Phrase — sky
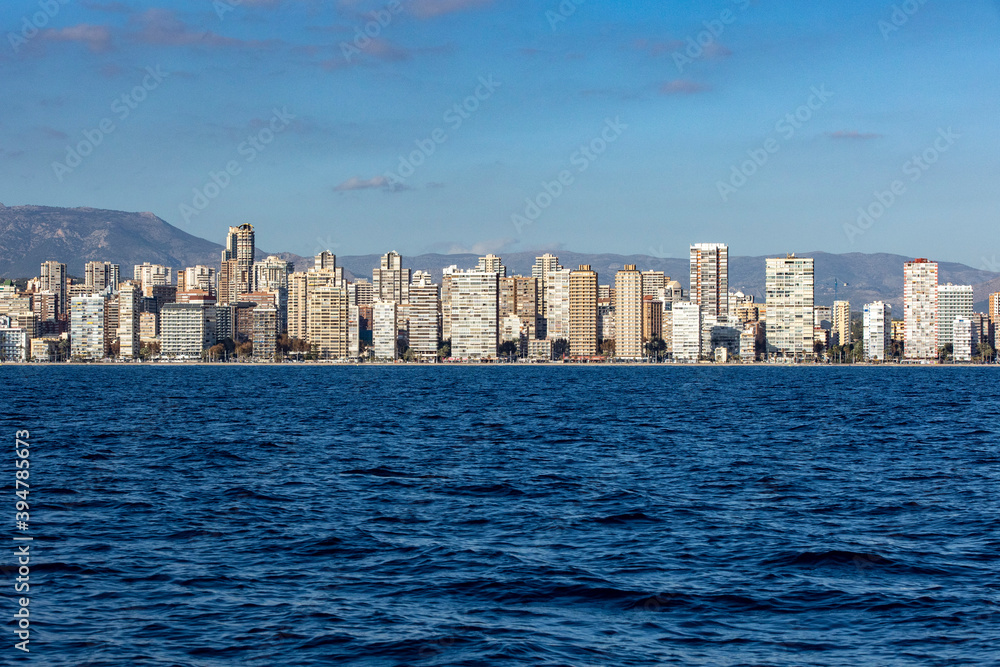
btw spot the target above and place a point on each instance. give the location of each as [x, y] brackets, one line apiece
[501, 125]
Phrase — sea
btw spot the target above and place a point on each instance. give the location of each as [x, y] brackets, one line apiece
[506, 515]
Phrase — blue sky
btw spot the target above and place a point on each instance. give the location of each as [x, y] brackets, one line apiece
[666, 122]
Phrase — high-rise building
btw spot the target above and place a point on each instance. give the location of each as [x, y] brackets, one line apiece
[87, 327]
[557, 304]
[686, 331]
[841, 320]
[14, 341]
[147, 275]
[652, 318]
[265, 333]
[920, 310]
[328, 315]
[425, 317]
[385, 330]
[360, 292]
[298, 305]
[53, 278]
[961, 339]
[605, 319]
[475, 313]
[129, 310]
[446, 275]
[628, 313]
[953, 301]
[583, 332]
[271, 273]
[540, 270]
[98, 276]
[710, 278]
[519, 296]
[237, 274]
[390, 281]
[790, 289]
[994, 308]
[877, 330]
[198, 277]
[983, 331]
[186, 329]
[653, 281]
[492, 264]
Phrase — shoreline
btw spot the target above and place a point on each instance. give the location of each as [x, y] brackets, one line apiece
[331, 364]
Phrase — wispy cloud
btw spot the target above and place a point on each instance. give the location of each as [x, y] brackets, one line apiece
[109, 7]
[657, 48]
[853, 134]
[96, 37]
[161, 27]
[377, 183]
[682, 87]
[432, 8]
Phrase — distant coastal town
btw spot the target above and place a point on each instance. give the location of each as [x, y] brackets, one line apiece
[266, 312]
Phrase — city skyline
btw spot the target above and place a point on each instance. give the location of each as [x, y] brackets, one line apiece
[893, 141]
[264, 310]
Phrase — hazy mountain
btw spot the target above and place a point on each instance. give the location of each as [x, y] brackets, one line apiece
[32, 234]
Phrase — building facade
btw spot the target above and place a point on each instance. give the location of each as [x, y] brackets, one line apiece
[583, 333]
[920, 310]
[877, 329]
[710, 278]
[790, 288]
[628, 313]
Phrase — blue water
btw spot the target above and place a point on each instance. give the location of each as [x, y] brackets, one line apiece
[510, 516]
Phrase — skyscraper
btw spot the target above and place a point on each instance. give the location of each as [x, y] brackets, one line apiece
[99, 275]
[994, 308]
[87, 327]
[628, 313]
[877, 330]
[129, 307]
[425, 317]
[953, 301]
[920, 310]
[583, 332]
[474, 314]
[539, 271]
[492, 264]
[53, 279]
[391, 282]
[841, 315]
[557, 304]
[686, 331]
[327, 320]
[790, 289]
[710, 278]
[237, 276]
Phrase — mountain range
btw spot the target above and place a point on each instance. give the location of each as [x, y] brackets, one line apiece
[30, 235]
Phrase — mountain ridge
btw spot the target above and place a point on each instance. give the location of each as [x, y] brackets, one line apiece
[32, 234]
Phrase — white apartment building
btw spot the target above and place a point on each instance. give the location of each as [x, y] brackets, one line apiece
[186, 329]
[475, 311]
[557, 301]
[961, 330]
[686, 331]
[877, 330]
[920, 310]
[86, 330]
[953, 301]
[790, 289]
[385, 330]
[425, 317]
